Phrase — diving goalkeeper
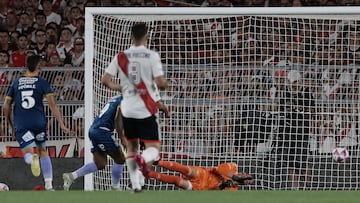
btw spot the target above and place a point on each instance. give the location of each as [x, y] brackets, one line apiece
[222, 177]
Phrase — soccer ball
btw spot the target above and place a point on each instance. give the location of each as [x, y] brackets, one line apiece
[340, 154]
[3, 187]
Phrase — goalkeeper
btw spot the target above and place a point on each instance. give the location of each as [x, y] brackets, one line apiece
[222, 177]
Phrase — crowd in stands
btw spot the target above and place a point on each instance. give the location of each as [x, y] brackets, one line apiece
[52, 29]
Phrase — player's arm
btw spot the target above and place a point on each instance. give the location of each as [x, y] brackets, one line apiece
[162, 107]
[119, 126]
[158, 73]
[243, 179]
[111, 71]
[55, 111]
[106, 80]
[229, 170]
[161, 82]
[7, 112]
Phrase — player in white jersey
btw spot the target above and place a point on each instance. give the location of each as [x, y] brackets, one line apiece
[140, 72]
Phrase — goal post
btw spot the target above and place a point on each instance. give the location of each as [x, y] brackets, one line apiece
[271, 89]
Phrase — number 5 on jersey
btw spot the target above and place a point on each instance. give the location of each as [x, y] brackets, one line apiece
[27, 101]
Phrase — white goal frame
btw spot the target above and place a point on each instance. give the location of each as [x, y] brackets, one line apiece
[140, 13]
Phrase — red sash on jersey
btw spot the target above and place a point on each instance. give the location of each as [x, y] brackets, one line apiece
[144, 95]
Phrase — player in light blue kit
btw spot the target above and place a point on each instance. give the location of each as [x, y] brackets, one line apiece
[29, 124]
[104, 143]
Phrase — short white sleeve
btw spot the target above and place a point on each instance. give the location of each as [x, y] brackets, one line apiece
[157, 66]
[113, 67]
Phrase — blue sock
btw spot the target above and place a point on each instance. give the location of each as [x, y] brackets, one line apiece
[117, 170]
[46, 167]
[86, 169]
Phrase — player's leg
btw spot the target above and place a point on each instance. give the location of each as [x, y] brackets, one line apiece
[46, 167]
[132, 136]
[132, 166]
[148, 156]
[176, 180]
[98, 164]
[32, 159]
[45, 161]
[26, 140]
[99, 156]
[117, 167]
[150, 135]
[187, 171]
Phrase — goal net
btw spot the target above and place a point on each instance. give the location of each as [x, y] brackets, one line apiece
[274, 90]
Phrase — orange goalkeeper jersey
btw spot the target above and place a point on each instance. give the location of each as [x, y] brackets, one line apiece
[212, 178]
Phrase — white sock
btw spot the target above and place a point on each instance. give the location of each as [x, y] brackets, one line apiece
[132, 168]
[116, 186]
[141, 178]
[75, 175]
[150, 154]
[48, 184]
[28, 158]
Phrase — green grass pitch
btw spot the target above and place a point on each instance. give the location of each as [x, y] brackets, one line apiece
[181, 197]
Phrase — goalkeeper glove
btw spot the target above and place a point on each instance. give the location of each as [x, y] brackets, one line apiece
[226, 184]
[242, 179]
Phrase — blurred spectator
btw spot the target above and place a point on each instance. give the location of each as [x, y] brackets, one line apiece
[64, 23]
[32, 13]
[40, 24]
[65, 45]
[51, 34]
[11, 21]
[14, 36]
[50, 48]
[296, 106]
[50, 15]
[18, 57]
[58, 86]
[3, 11]
[75, 13]
[25, 23]
[5, 76]
[54, 60]
[34, 3]
[4, 59]
[4, 39]
[80, 27]
[72, 86]
[76, 56]
[16, 6]
[40, 20]
[39, 46]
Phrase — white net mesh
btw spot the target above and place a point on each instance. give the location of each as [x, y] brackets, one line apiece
[275, 94]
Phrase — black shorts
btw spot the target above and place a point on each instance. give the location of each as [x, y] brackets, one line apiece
[146, 129]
